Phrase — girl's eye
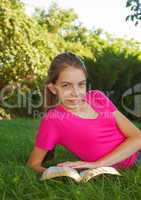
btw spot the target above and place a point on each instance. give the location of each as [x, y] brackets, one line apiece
[82, 84]
[64, 85]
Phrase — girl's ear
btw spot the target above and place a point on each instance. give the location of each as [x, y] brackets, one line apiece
[52, 88]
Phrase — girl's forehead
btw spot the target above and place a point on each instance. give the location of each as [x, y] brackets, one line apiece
[67, 75]
[84, 80]
[71, 76]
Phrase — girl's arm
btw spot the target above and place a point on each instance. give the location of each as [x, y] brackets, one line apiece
[131, 144]
[36, 158]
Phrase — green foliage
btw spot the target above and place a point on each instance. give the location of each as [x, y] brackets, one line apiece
[56, 19]
[4, 114]
[20, 53]
[135, 8]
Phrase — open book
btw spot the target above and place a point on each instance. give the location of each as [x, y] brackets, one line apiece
[83, 176]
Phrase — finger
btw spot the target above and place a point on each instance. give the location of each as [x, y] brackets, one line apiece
[60, 164]
[63, 164]
[80, 166]
[77, 167]
[72, 164]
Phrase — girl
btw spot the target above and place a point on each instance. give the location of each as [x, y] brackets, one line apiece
[86, 122]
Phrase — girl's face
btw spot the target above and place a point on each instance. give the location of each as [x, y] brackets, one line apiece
[70, 87]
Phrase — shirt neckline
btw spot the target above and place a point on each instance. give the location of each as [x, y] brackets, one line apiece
[62, 107]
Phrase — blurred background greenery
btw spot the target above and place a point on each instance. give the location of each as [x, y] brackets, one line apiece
[28, 44]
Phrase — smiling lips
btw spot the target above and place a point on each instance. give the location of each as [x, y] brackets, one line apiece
[75, 100]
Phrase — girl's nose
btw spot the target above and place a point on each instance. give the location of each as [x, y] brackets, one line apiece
[75, 92]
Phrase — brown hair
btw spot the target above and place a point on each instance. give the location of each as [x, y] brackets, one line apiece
[59, 63]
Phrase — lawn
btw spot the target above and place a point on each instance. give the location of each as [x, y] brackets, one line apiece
[18, 182]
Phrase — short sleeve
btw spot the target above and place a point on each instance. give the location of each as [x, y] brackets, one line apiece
[102, 102]
[47, 134]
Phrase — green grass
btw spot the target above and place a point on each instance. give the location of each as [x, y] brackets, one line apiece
[18, 182]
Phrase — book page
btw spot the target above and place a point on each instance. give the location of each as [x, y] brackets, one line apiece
[54, 171]
[88, 174]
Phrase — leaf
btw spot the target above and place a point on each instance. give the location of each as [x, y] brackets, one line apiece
[127, 18]
[136, 23]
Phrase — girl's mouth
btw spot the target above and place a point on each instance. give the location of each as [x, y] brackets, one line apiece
[75, 101]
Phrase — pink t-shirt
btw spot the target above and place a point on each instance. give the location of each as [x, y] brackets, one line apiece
[89, 139]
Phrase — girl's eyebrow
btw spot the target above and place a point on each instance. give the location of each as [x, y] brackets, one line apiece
[71, 83]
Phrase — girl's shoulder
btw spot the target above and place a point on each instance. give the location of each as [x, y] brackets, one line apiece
[100, 100]
[96, 95]
[54, 114]
[95, 92]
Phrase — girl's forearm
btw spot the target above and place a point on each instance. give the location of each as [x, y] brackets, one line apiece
[122, 152]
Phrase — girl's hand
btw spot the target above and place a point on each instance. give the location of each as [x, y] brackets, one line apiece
[77, 164]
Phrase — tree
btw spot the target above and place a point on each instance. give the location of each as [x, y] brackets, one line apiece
[56, 18]
[135, 8]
